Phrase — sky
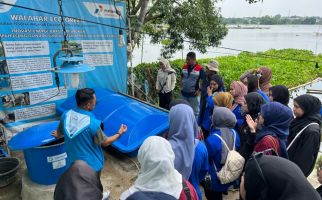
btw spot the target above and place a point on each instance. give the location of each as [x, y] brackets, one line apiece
[240, 8]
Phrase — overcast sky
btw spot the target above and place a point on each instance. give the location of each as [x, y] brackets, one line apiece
[240, 8]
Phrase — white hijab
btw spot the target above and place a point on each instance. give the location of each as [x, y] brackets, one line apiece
[167, 65]
[157, 173]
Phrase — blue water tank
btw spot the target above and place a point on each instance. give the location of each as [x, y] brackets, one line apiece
[114, 109]
[45, 157]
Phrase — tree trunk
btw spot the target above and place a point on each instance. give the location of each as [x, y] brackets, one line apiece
[135, 32]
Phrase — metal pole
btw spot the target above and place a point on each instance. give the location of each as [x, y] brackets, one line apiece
[131, 64]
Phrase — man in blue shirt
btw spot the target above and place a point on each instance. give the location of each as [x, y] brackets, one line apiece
[83, 133]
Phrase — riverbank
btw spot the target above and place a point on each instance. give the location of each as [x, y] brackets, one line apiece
[265, 38]
[291, 67]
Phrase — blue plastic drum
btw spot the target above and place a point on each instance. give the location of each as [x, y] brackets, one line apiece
[45, 157]
[47, 163]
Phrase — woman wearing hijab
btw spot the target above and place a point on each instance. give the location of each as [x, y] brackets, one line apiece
[304, 138]
[183, 130]
[275, 178]
[166, 82]
[280, 94]
[252, 107]
[265, 78]
[79, 182]
[275, 119]
[215, 85]
[238, 90]
[223, 121]
[254, 87]
[157, 174]
[224, 99]
[221, 99]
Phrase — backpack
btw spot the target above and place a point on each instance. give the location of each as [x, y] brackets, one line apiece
[234, 164]
[188, 191]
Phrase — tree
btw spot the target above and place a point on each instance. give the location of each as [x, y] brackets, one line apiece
[174, 21]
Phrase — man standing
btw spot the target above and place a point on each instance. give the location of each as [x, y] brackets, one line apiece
[191, 75]
[83, 133]
[212, 68]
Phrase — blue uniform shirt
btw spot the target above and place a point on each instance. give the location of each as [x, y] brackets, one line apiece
[199, 166]
[80, 128]
[240, 118]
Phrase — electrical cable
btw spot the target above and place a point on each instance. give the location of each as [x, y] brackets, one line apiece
[141, 32]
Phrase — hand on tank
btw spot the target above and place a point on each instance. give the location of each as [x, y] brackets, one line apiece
[55, 134]
[123, 129]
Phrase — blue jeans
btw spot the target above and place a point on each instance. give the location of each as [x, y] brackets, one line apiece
[194, 102]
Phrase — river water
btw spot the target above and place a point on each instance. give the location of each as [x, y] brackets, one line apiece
[268, 37]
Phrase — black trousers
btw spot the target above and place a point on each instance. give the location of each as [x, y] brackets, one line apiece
[165, 99]
[212, 195]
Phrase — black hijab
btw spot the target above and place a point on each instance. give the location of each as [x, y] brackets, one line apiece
[219, 81]
[280, 94]
[272, 177]
[311, 106]
[254, 102]
[79, 182]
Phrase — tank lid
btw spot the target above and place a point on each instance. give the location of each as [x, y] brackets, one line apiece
[34, 136]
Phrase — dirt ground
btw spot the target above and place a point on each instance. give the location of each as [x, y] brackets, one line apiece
[118, 174]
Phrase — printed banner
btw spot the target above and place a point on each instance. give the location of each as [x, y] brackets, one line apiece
[29, 39]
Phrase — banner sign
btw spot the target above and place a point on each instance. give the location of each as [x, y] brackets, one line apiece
[30, 38]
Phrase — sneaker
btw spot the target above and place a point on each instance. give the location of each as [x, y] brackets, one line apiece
[106, 195]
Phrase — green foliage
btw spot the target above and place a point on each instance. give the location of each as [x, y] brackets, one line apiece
[288, 73]
[197, 21]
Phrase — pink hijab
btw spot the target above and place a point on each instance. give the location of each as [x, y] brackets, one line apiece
[264, 80]
[240, 90]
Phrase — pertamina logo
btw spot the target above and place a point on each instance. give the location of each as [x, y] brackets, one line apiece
[103, 10]
[6, 8]
[99, 9]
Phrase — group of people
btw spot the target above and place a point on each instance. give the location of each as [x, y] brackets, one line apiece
[250, 126]
[253, 117]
